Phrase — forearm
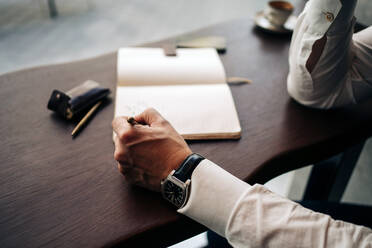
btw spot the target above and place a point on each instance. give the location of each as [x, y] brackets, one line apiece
[320, 54]
[252, 216]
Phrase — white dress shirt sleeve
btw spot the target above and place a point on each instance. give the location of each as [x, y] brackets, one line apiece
[252, 216]
[343, 73]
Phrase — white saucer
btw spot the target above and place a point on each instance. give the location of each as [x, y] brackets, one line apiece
[263, 23]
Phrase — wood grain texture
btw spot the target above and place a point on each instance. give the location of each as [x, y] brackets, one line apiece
[60, 192]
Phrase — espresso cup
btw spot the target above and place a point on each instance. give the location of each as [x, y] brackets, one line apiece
[277, 12]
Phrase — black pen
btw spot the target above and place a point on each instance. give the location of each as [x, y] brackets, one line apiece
[132, 121]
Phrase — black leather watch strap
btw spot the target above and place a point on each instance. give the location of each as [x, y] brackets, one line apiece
[185, 170]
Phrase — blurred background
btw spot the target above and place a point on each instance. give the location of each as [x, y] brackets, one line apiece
[41, 32]
[86, 28]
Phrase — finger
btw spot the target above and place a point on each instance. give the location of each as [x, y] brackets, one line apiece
[120, 123]
[138, 177]
[120, 168]
[134, 176]
[124, 168]
[149, 116]
[122, 155]
[121, 152]
[152, 183]
[125, 132]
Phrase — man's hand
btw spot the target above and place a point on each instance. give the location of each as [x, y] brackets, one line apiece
[149, 151]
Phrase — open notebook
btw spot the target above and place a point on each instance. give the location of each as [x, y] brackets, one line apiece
[189, 90]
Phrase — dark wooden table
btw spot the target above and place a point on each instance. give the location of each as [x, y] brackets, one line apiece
[63, 192]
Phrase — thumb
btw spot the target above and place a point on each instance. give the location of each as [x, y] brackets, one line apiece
[149, 116]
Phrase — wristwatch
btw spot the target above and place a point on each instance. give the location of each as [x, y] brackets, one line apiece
[175, 188]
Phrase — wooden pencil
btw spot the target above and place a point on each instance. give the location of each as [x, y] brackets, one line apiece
[85, 118]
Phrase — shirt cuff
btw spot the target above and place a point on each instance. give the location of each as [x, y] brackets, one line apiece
[214, 193]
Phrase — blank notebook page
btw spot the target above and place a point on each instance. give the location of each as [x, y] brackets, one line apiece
[189, 90]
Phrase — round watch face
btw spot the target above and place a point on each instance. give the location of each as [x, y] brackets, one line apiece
[174, 193]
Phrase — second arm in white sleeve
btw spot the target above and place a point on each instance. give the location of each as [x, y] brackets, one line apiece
[342, 73]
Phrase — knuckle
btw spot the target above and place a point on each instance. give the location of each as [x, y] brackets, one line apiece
[118, 155]
[151, 111]
[124, 136]
[115, 121]
[124, 169]
[164, 122]
[120, 168]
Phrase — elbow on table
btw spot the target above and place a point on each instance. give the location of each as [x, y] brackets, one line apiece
[301, 90]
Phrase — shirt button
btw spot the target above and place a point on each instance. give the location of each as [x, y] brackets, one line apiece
[329, 16]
